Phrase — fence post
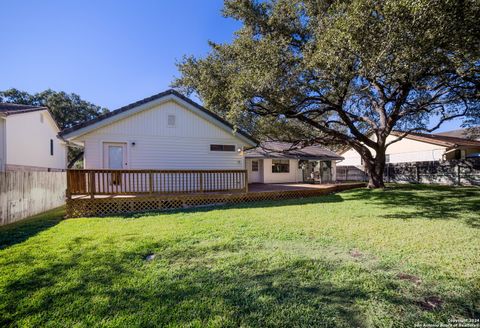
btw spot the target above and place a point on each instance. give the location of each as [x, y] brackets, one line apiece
[92, 184]
[459, 179]
[68, 191]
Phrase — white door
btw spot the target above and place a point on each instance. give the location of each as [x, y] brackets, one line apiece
[115, 155]
[255, 171]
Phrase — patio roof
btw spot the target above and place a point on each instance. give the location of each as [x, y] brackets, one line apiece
[279, 149]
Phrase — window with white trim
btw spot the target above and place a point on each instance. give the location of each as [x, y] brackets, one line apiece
[280, 166]
[222, 147]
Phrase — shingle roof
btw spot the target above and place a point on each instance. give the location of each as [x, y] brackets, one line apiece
[279, 149]
[147, 100]
[460, 133]
[10, 109]
[441, 140]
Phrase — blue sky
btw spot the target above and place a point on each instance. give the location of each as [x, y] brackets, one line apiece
[109, 52]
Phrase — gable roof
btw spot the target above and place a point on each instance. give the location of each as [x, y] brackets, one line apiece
[148, 103]
[279, 149]
[11, 109]
[460, 133]
[440, 140]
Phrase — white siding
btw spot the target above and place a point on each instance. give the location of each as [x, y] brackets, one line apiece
[403, 151]
[2, 144]
[269, 177]
[159, 146]
[28, 141]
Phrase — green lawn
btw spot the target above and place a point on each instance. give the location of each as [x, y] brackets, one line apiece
[407, 255]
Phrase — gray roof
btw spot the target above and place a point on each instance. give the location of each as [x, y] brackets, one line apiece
[150, 99]
[279, 149]
[10, 109]
[460, 133]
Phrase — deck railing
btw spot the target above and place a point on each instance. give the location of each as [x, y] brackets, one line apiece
[132, 182]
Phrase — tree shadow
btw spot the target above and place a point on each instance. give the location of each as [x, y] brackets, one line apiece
[20, 231]
[426, 201]
[187, 289]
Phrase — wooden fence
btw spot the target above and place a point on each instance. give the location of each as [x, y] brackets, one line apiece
[23, 194]
[132, 182]
[453, 172]
[350, 173]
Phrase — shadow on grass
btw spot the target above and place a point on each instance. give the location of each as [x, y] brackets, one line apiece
[20, 231]
[426, 201]
[119, 288]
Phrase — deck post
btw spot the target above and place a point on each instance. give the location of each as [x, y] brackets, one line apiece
[246, 180]
[68, 192]
[92, 184]
[150, 183]
[201, 181]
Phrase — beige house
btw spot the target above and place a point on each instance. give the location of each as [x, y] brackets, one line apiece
[28, 139]
[167, 131]
[284, 162]
[418, 147]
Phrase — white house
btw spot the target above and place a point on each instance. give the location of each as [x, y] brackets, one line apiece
[284, 162]
[419, 147]
[165, 131]
[28, 139]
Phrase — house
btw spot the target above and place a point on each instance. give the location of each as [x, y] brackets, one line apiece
[460, 133]
[167, 131]
[28, 139]
[419, 147]
[284, 162]
[166, 152]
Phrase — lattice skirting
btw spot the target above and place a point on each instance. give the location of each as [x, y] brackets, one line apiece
[110, 206]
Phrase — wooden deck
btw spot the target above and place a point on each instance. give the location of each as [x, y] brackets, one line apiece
[252, 188]
[102, 205]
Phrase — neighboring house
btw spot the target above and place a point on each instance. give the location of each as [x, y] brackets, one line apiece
[28, 139]
[281, 162]
[418, 147]
[165, 131]
[459, 133]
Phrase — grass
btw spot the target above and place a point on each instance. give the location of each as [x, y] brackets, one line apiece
[361, 258]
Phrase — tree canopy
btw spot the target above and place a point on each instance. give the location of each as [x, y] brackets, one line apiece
[67, 109]
[346, 72]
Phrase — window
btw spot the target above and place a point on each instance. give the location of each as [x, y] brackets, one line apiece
[280, 166]
[51, 147]
[222, 147]
[41, 117]
[387, 158]
[171, 120]
[254, 166]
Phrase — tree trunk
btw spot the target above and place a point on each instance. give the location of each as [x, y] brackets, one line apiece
[375, 168]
